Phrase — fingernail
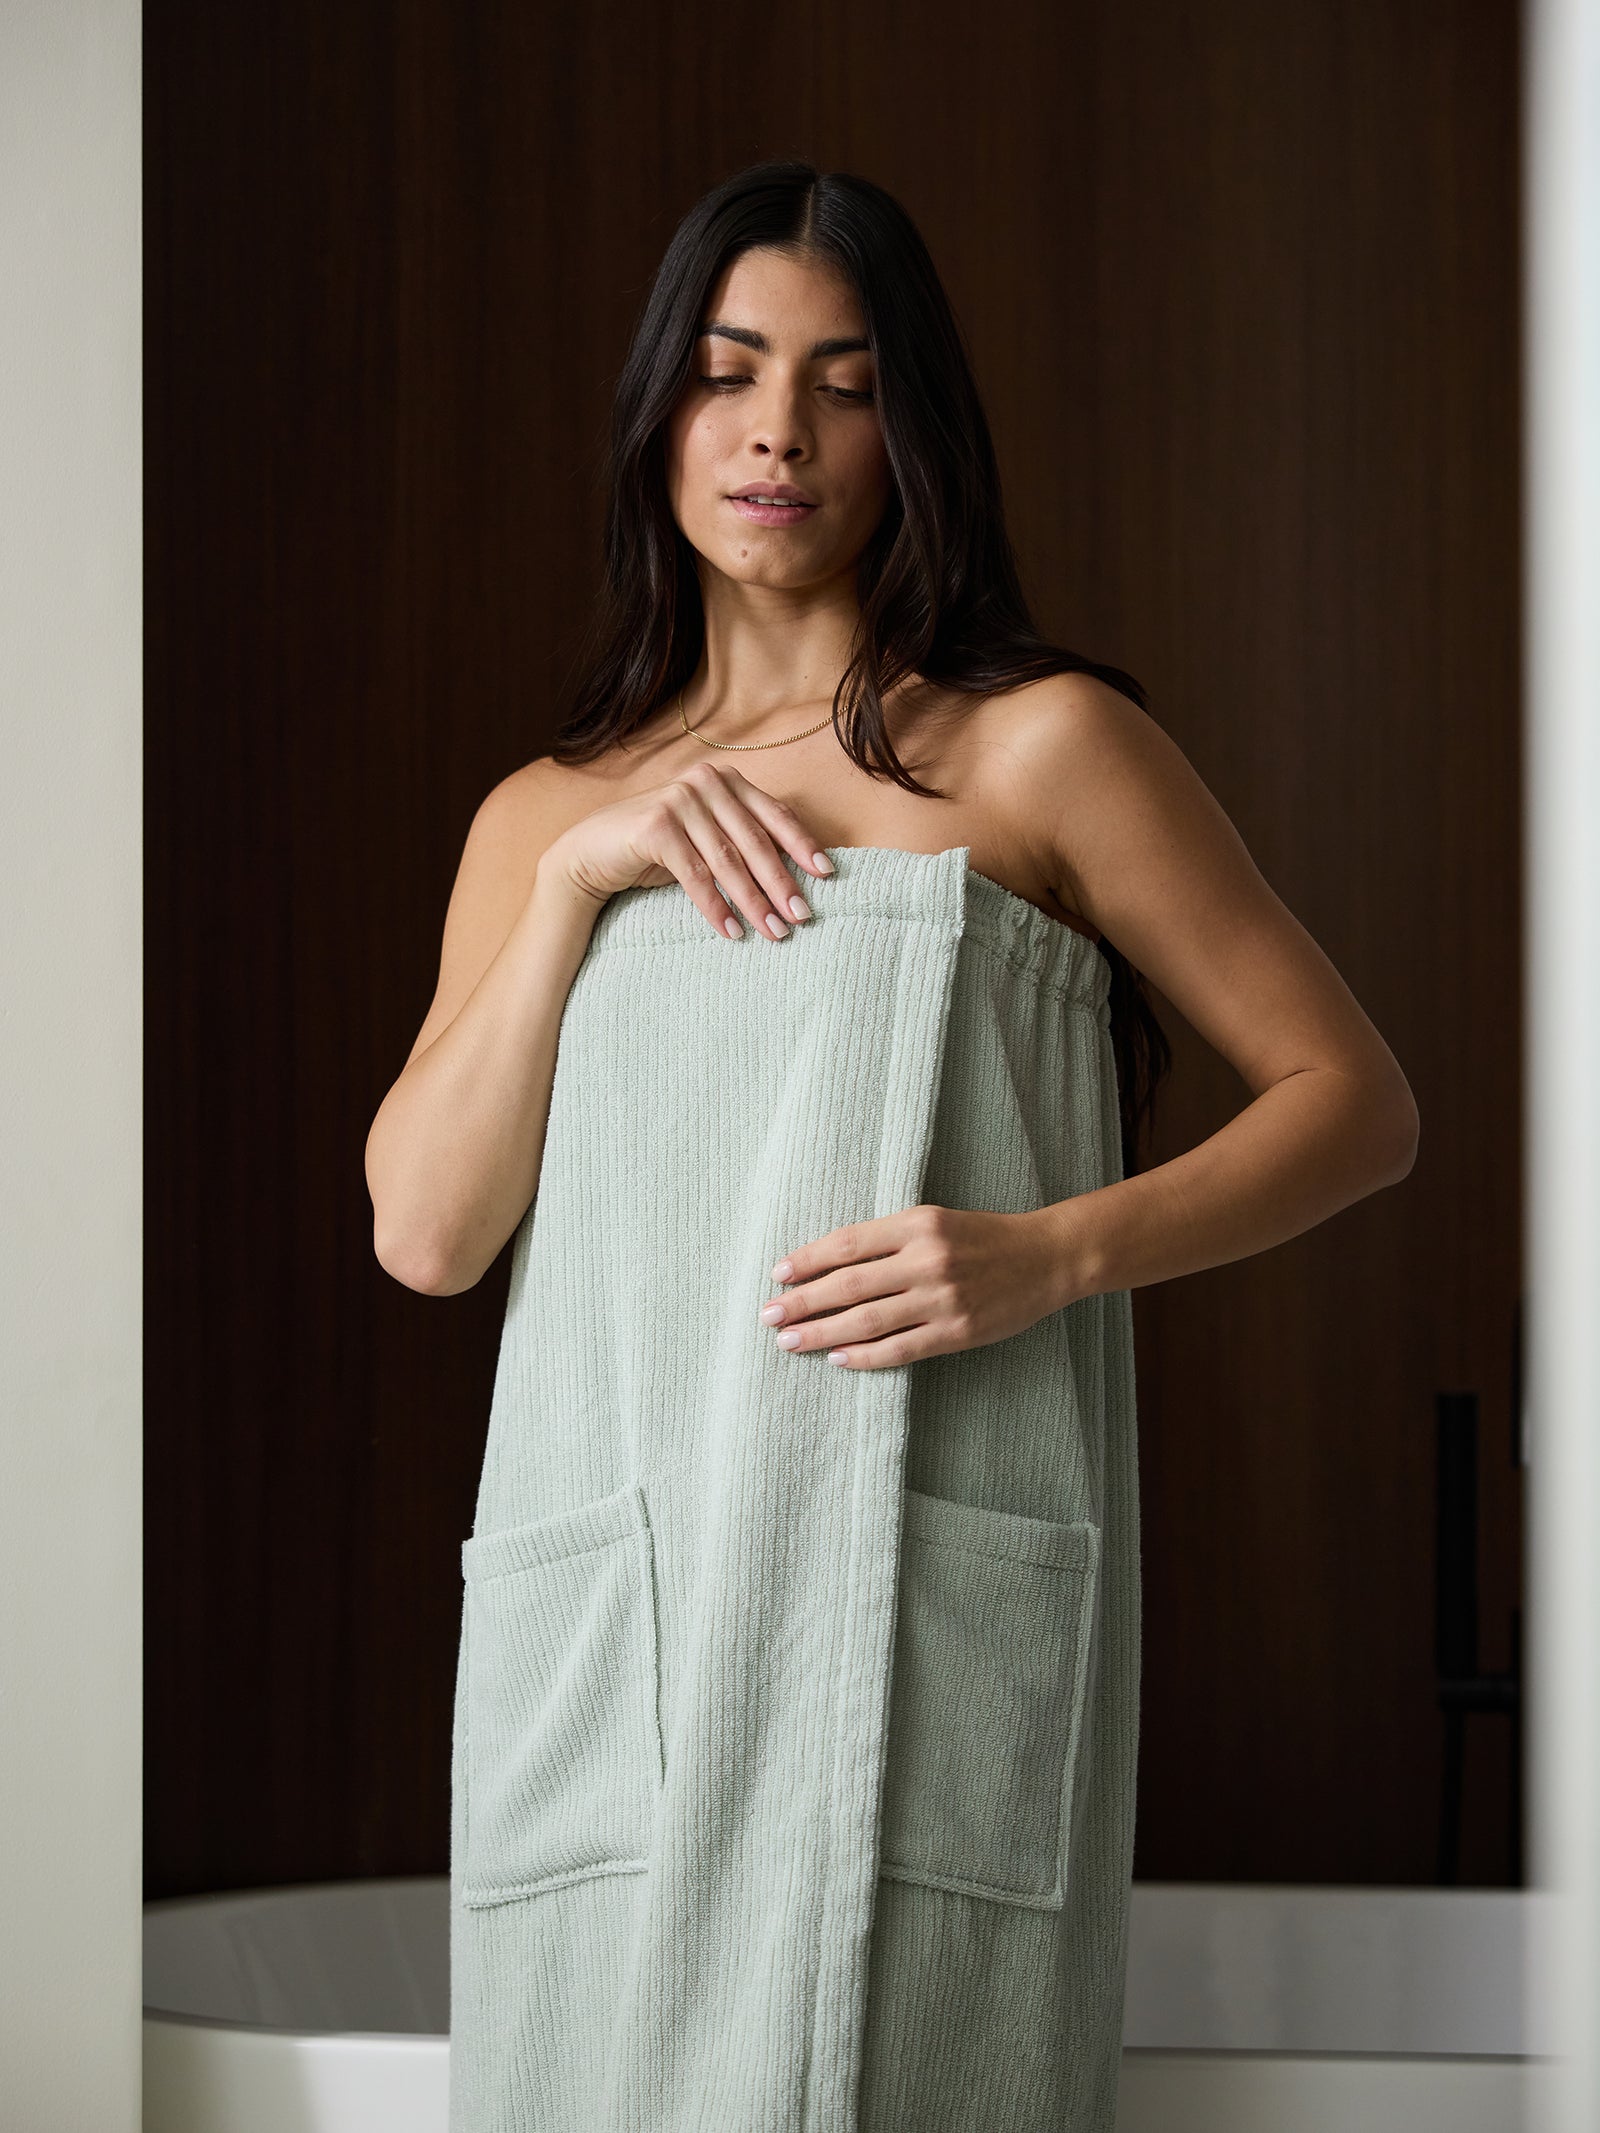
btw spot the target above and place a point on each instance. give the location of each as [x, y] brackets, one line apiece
[798, 907]
[776, 927]
[789, 1337]
[822, 863]
[772, 1313]
[731, 927]
[837, 1355]
[784, 1270]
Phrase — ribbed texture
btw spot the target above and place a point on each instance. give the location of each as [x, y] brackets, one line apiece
[797, 1708]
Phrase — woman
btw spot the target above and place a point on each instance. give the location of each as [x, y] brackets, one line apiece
[796, 1721]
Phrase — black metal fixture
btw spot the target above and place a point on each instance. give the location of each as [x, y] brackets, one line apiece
[1462, 1687]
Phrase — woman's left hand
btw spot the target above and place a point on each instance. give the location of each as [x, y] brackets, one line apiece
[927, 1281]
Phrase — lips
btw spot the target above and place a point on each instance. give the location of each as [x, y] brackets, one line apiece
[780, 505]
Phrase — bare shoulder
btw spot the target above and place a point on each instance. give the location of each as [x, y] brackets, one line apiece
[1047, 749]
[514, 824]
[1143, 848]
[1113, 806]
[521, 817]
[1052, 726]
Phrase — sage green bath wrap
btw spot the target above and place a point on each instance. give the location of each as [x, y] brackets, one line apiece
[797, 1705]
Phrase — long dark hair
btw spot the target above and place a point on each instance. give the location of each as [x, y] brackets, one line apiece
[937, 584]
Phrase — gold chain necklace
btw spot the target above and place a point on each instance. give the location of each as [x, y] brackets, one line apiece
[683, 719]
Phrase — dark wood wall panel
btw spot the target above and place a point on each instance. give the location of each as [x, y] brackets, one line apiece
[1241, 286]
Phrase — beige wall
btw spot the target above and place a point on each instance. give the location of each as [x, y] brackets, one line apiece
[1561, 502]
[70, 1068]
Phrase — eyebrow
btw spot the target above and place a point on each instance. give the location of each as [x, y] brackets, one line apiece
[747, 337]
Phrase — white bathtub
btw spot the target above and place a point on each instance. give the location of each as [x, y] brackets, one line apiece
[320, 2009]
[323, 2009]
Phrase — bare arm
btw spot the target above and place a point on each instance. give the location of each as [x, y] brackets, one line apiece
[1148, 855]
[453, 1154]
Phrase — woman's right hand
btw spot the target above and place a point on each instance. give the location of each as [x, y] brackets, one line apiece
[708, 825]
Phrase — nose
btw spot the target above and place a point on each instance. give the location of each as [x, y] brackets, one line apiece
[779, 424]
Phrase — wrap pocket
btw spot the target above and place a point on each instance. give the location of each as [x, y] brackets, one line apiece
[994, 1629]
[563, 1751]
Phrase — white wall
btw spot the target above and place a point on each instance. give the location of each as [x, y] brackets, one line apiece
[1562, 605]
[70, 1068]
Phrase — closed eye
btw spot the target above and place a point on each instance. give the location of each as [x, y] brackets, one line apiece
[840, 392]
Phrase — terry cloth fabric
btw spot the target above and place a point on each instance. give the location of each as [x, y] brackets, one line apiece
[797, 1705]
